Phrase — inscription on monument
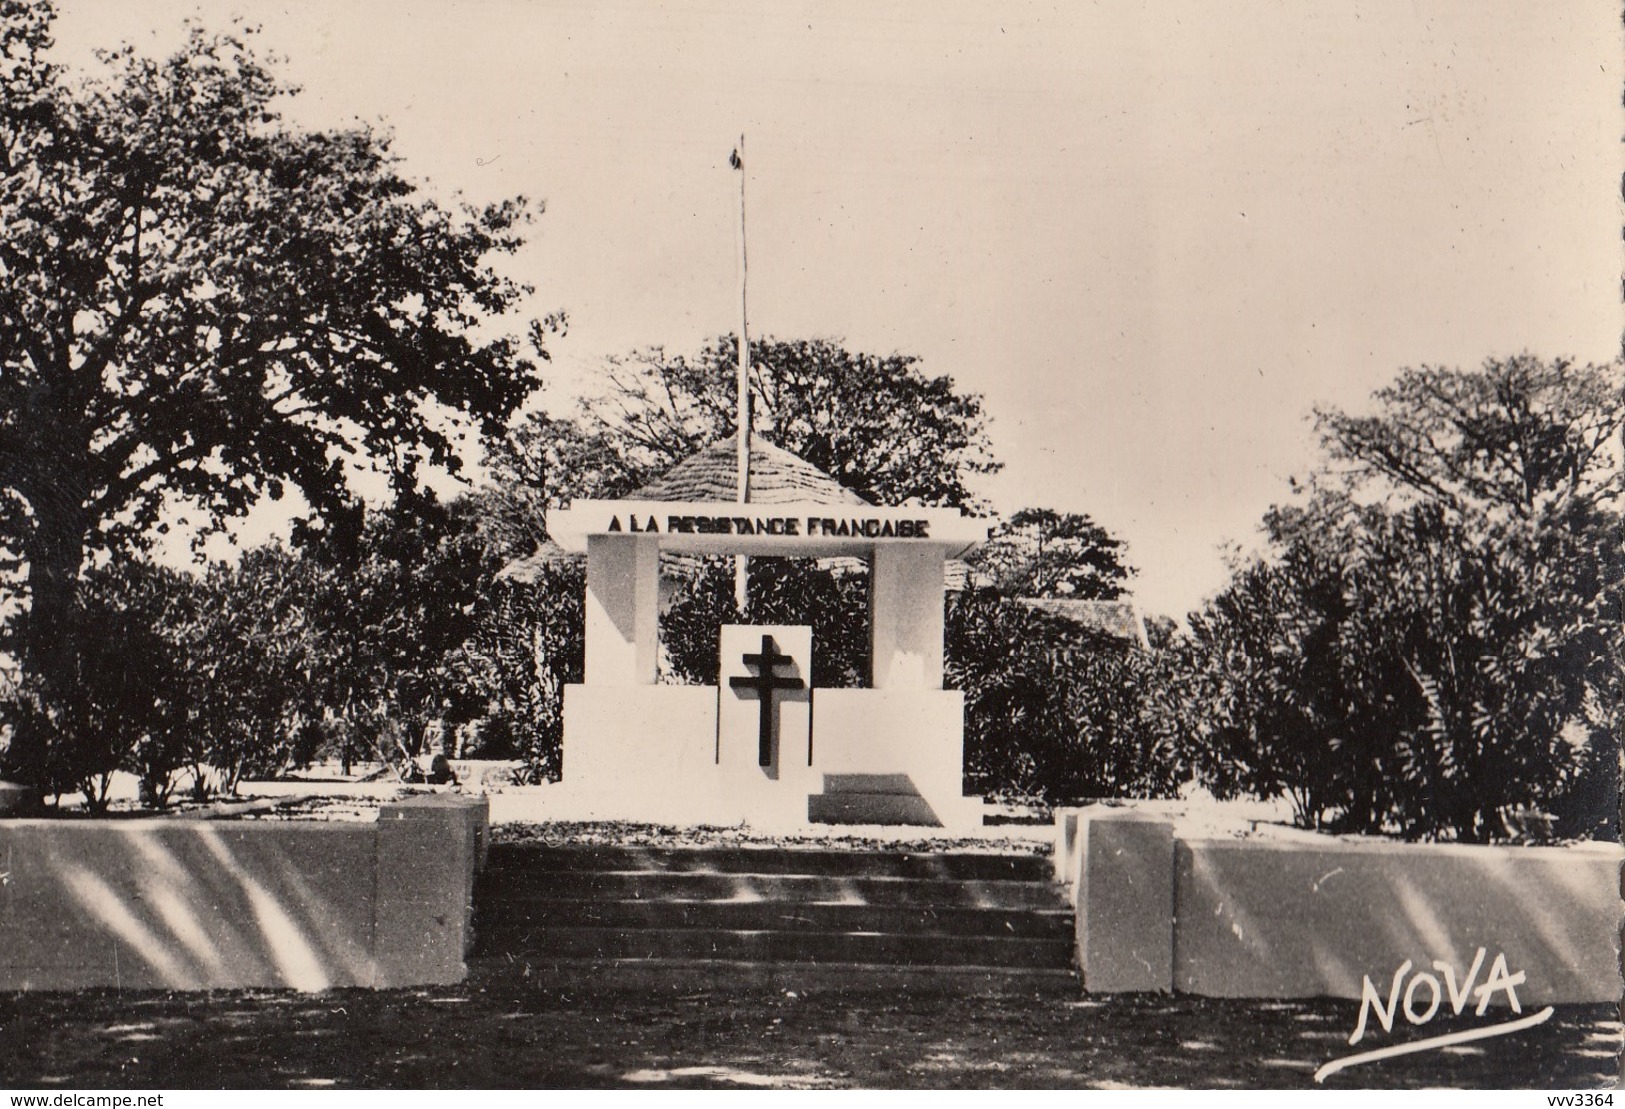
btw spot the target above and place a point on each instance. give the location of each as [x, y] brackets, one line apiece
[796, 526]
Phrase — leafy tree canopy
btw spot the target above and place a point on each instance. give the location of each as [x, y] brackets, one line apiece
[1039, 552]
[1534, 438]
[876, 423]
[202, 305]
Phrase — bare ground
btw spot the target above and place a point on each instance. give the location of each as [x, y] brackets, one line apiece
[499, 1030]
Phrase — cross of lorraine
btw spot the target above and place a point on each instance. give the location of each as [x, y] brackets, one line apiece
[765, 683]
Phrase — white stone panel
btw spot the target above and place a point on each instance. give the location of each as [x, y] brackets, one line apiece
[638, 747]
[918, 732]
[623, 610]
[802, 530]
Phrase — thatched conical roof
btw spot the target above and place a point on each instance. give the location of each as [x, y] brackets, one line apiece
[548, 556]
[776, 477]
[1116, 618]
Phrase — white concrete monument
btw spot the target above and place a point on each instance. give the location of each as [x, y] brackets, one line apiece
[763, 746]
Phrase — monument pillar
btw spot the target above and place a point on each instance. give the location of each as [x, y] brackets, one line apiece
[905, 616]
[623, 610]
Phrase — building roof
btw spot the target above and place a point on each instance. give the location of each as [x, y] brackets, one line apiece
[1115, 618]
[957, 574]
[776, 477]
[527, 570]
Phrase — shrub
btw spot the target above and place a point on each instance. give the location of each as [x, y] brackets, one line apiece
[1054, 711]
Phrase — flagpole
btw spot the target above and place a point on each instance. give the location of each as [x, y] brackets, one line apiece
[742, 423]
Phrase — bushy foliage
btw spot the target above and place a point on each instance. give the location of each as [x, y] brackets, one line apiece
[834, 602]
[411, 635]
[1427, 647]
[244, 639]
[163, 648]
[526, 646]
[1055, 711]
[130, 711]
[1262, 667]
[353, 651]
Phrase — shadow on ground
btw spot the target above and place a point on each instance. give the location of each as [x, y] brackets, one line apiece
[499, 1030]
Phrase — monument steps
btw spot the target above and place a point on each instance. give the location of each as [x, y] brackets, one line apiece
[871, 808]
[771, 945]
[780, 887]
[533, 857]
[784, 917]
[871, 799]
[681, 977]
[525, 916]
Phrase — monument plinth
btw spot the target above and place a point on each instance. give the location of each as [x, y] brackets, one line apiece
[634, 748]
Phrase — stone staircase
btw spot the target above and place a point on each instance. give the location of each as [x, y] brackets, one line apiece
[783, 918]
[870, 799]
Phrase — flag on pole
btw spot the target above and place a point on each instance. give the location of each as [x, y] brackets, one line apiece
[742, 426]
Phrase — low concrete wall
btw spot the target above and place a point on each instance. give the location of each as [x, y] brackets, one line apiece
[1257, 917]
[1123, 897]
[194, 904]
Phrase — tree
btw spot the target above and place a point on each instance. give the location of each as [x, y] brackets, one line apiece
[542, 463]
[201, 306]
[1536, 439]
[1038, 552]
[875, 423]
[1426, 647]
[1514, 569]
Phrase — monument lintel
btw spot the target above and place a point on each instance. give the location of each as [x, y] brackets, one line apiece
[791, 529]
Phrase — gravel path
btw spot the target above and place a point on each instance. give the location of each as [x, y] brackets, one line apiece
[1015, 841]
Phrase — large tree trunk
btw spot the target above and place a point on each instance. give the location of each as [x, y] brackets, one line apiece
[51, 635]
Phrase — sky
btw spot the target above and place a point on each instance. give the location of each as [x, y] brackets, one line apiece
[1153, 237]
